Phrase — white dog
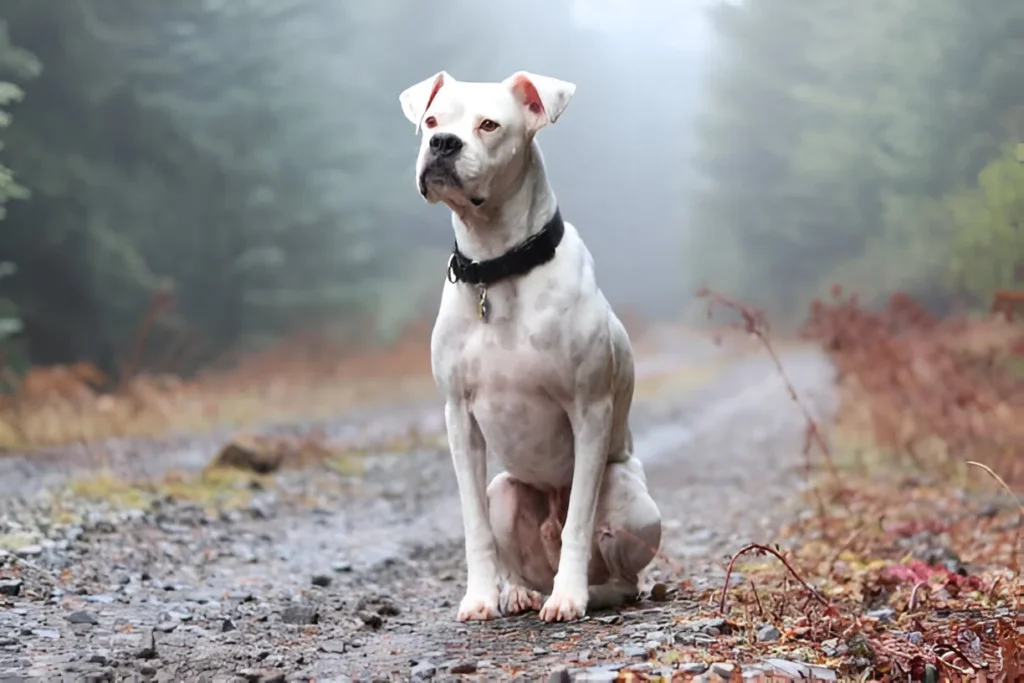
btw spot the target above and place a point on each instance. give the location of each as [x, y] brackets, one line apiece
[533, 364]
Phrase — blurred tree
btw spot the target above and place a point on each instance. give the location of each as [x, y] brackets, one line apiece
[226, 152]
[988, 244]
[831, 133]
[20, 64]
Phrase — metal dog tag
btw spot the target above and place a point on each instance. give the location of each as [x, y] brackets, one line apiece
[483, 307]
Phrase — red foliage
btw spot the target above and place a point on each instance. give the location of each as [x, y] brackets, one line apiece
[925, 381]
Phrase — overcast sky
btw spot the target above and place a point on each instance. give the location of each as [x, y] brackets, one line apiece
[679, 23]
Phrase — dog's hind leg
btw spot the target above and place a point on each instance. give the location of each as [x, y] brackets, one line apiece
[551, 528]
[627, 535]
[517, 512]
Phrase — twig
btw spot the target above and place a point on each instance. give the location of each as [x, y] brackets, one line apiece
[757, 598]
[30, 565]
[1014, 565]
[755, 324]
[763, 548]
[912, 604]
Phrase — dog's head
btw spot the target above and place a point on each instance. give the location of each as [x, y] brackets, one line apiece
[476, 136]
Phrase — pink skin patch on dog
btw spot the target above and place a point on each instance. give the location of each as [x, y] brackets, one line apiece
[531, 98]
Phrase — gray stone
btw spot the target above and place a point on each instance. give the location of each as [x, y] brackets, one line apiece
[464, 667]
[302, 615]
[768, 634]
[424, 669]
[693, 668]
[723, 669]
[48, 633]
[635, 652]
[83, 617]
[559, 676]
[884, 614]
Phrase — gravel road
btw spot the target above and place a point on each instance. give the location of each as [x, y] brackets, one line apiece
[332, 573]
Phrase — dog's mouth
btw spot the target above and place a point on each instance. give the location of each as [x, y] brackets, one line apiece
[439, 176]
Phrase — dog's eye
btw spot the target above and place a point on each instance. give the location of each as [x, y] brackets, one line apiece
[430, 122]
[488, 126]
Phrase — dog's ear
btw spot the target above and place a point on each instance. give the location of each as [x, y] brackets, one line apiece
[544, 98]
[416, 99]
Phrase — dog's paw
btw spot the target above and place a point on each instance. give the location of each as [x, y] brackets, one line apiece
[564, 606]
[516, 599]
[479, 607]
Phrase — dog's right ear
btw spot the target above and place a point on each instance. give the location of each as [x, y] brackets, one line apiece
[416, 99]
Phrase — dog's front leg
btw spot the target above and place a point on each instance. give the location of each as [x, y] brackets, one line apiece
[591, 422]
[470, 460]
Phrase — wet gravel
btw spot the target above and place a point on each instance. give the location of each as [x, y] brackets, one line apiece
[331, 575]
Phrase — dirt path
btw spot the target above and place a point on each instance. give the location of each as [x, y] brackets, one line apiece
[332, 575]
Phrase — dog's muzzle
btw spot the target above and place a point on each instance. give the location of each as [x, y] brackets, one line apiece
[439, 168]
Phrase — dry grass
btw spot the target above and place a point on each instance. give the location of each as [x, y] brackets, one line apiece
[296, 381]
[303, 379]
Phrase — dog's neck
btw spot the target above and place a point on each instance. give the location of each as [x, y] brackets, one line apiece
[488, 232]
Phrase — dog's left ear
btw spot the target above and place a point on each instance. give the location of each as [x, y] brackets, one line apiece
[416, 99]
[544, 98]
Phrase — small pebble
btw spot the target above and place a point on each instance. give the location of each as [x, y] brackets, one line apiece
[321, 580]
[372, 620]
[635, 652]
[83, 617]
[768, 634]
[559, 676]
[424, 669]
[723, 669]
[695, 668]
[883, 615]
[301, 615]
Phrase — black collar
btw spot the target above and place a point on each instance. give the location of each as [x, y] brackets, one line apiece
[519, 260]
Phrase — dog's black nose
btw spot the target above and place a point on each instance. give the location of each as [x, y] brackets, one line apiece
[445, 144]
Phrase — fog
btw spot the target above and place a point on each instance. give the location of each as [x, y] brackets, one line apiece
[232, 173]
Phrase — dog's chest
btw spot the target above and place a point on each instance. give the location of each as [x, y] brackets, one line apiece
[516, 376]
[508, 356]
